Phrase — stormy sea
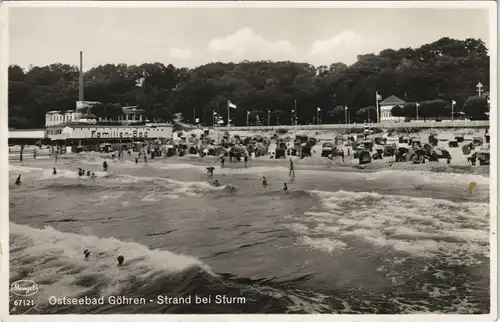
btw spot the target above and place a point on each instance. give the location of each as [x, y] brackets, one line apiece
[346, 242]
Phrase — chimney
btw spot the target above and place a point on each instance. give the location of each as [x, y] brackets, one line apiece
[80, 91]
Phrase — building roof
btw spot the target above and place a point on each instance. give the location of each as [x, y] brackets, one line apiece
[392, 100]
[61, 112]
[27, 134]
[131, 109]
[82, 125]
[88, 116]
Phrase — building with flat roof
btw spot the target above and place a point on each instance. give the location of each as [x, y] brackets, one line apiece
[110, 132]
[29, 136]
[83, 114]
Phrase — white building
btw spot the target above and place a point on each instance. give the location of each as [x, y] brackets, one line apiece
[82, 114]
[115, 132]
[386, 109]
[60, 117]
[131, 114]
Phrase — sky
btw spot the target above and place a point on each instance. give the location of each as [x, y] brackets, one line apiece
[189, 37]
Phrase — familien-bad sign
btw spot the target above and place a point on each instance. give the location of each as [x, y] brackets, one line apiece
[119, 134]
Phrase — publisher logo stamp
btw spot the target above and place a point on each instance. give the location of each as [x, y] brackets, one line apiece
[24, 288]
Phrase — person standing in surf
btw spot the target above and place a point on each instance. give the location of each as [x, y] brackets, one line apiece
[292, 171]
[18, 180]
[246, 160]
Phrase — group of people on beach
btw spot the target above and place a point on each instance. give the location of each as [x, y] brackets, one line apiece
[81, 173]
[216, 183]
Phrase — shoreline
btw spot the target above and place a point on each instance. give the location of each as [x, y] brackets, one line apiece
[309, 163]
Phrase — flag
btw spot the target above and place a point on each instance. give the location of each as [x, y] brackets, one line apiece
[453, 103]
[220, 121]
[215, 113]
[378, 97]
[248, 112]
[231, 105]
[197, 120]
[417, 105]
[319, 110]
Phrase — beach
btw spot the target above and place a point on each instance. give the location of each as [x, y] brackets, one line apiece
[387, 238]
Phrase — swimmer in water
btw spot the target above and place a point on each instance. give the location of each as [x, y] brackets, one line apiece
[210, 171]
[88, 173]
[86, 253]
[18, 180]
[264, 181]
[216, 183]
[120, 260]
[246, 160]
[54, 171]
[285, 187]
[222, 160]
[105, 166]
[136, 160]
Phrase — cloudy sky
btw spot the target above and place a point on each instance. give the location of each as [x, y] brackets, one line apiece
[191, 37]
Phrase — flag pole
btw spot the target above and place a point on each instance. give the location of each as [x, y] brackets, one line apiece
[376, 100]
[296, 113]
[452, 107]
[228, 114]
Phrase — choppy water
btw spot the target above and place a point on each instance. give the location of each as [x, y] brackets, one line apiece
[336, 242]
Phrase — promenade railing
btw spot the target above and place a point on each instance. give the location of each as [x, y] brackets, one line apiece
[419, 125]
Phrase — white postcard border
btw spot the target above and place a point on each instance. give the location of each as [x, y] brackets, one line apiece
[4, 165]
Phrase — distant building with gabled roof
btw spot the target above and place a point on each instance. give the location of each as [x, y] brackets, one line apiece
[386, 109]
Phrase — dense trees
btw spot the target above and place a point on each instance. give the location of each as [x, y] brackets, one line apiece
[433, 75]
[476, 107]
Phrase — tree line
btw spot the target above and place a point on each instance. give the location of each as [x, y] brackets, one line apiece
[433, 75]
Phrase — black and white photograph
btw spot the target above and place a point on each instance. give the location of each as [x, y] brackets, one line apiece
[249, 158]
